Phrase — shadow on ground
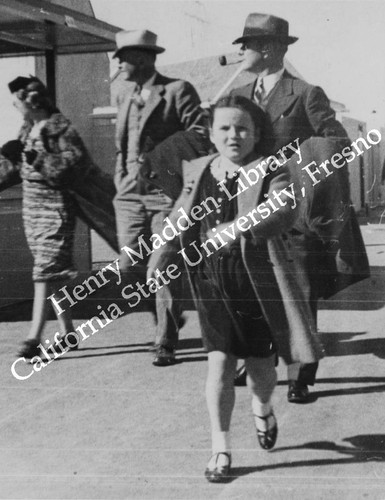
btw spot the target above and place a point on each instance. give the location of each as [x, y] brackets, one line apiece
[367, 295]
[189, 350]
[340, 344]
[362, 449]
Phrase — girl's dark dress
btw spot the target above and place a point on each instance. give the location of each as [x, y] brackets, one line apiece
[229, 312]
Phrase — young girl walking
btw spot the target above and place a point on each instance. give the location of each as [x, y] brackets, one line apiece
[238, 262]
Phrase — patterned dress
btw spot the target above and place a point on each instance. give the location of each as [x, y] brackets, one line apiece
[49, 219]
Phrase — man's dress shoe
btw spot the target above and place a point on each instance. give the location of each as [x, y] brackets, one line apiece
[298, 392]
[164, 357]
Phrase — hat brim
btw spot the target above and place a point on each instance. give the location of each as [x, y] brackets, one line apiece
[149, 48]
[282, 38]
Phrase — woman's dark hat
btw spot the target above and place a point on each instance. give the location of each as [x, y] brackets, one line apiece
[21, 82]
[266, 26]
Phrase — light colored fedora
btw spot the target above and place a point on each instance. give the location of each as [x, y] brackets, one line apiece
[137, 39]
[266, 26]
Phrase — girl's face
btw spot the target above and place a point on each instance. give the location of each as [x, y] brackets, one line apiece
[233, 133]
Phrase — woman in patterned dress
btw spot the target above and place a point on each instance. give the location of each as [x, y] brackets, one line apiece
[48, 208]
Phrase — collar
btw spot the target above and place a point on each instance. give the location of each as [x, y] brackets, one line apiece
[147, 87]
[222, 166]
[37, 128]
[271, 80]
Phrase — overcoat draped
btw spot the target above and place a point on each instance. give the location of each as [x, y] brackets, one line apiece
[327, 233]
[268, 258]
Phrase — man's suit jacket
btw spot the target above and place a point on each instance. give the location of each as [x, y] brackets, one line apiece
[295, 109]
[298, 110]
[172, 106]
[267, 257]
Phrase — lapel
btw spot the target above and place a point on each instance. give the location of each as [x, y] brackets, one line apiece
[247, 91]
[250, 197]
[192, 175]
[281, 97]
[121, 122]
[157, 92]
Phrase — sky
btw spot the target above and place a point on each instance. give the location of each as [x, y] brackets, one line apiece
[341, 42]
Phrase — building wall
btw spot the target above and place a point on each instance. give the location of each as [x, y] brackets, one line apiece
[365, 171]
[82, 80]
[358, 167]
[82, 83]
[376, 191]
[381, 181]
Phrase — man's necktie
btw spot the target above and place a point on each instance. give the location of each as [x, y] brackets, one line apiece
[259, 92]
[137, 98]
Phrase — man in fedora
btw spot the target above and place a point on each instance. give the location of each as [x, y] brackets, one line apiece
[152, 109]
[295, 110]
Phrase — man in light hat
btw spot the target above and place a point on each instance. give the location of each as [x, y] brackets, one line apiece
[295, 110]
[152, 109]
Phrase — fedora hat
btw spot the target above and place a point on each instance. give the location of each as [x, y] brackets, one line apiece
[266, 26]
[138, 39]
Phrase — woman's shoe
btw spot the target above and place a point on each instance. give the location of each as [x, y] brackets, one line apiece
[219, 472]
[267, 438]
[29, 349]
